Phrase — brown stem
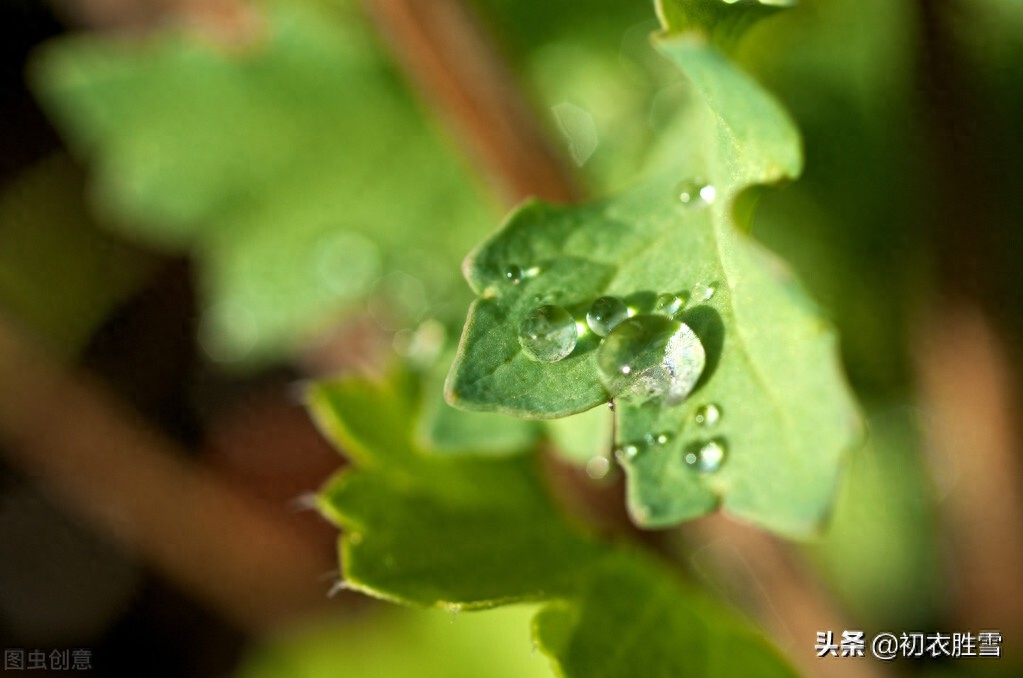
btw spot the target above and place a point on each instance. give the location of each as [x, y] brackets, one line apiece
[67, 431]
[446, 55]
[773, 583]
[967, 389]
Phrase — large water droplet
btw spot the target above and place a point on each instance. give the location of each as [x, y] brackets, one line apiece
[650, 356]
[668, 305]
[706, 457]
[704, 291]
[707, 415]
[548, 334]
[605, 314]
[696, 193]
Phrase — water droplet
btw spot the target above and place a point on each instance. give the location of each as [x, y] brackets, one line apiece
[605, 314]
[516, 274]
[650, 356]
[598, 467]
[548, 334]
[704, 291]
[696, 193]
[707, 415]
[626, 452]
[706, 457]
[657, 438]
[668, 305]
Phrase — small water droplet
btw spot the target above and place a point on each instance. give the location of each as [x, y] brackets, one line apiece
[657, 438]
[707, 415]
[650, 356]
[668, 305]
[611, 405]
[696, 193]
[516, 274]
[605, 314]
[626, 452]
[598, 467]
[548, 334]
[704, 291]
[706, 457]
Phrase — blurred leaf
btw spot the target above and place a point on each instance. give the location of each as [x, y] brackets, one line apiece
[771, 361]
[296, 168]
[470, 533]
[629, 622]
[583, 436]
[725, 22]
[881, 551]
[397, 643]
[59, 274]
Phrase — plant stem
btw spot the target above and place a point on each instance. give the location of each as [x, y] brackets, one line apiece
[81, 444]
[446, 55]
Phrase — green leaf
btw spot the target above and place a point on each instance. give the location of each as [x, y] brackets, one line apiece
[445, 430]
[628, 622]
[771, 367]
[60, 274]
[431, 529]
[398, 643]
[277, 164]
[723, 21]
[468, 533]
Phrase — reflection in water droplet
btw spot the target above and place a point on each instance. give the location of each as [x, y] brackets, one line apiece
[605, 314]
[626, 452]
[598, 467]
[650, 356]
[696, 193]
[668, 305]
[516, 274]
[706, 457]
[548, 334]
[707, 415]
[704, 292]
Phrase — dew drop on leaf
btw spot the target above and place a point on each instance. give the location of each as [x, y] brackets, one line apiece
[650, 356]
[707, 456]
[657, 439]
[605, 314]
[513, 274]
[668, 305]
[707, 415]
[704, 291]
[548, 333]
[696, 193]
